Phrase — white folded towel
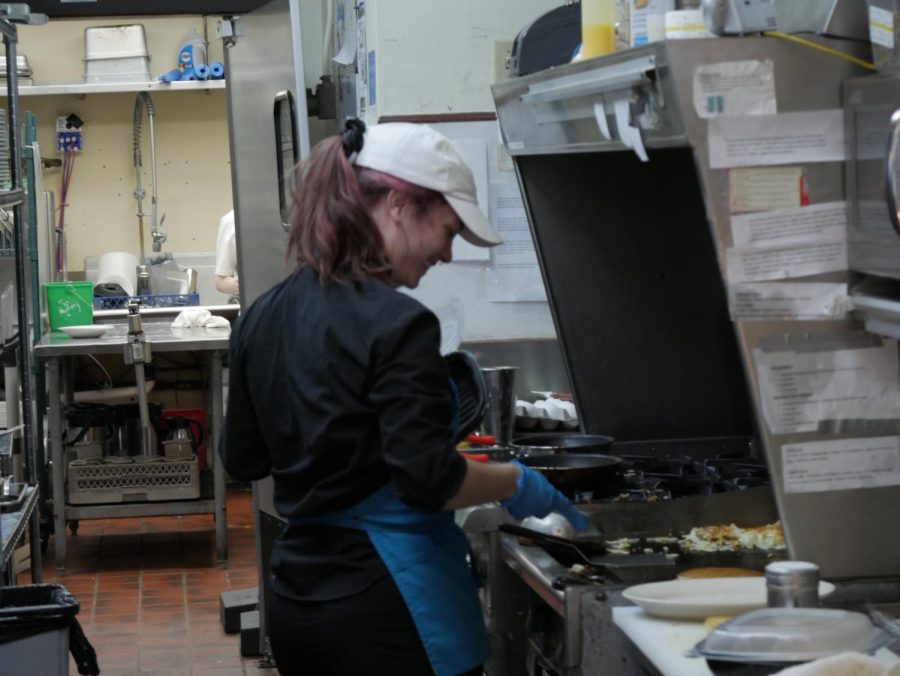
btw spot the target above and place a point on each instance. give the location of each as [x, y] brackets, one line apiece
[216, 322]
[190, 318]
[199, 318]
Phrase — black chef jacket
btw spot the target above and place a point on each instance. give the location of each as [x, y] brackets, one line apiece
[336, 389]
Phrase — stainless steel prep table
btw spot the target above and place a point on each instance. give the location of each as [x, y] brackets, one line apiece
[56, 346]
[663, 643]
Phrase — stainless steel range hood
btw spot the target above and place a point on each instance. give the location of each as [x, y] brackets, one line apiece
[625, 248]
[633, 257]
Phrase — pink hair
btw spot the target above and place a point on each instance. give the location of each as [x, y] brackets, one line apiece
[332, 230]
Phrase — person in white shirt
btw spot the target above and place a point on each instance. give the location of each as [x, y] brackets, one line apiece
[226, 257]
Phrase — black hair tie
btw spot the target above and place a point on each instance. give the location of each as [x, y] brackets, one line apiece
[352, 136]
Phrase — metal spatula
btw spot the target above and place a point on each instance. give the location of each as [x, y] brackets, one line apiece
[599, 559]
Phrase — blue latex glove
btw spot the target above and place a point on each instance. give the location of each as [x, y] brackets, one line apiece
[173, 75]
[535, 496]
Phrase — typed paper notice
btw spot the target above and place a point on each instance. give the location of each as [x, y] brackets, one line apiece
[799, 390]
[841, 464]
[515, 275]
[766, 188]
[787, 227]
[735, 88]
[785, 138]
[788, 300]
[762, 264]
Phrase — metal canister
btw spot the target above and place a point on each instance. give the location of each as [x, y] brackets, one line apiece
[143, 280]
[792, 584]
[500, 413]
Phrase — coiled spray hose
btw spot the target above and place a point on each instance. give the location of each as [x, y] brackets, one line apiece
[143, 101]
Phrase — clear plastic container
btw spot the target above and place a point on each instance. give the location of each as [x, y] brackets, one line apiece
[115, 42]
[598, 27]
[647, 21]
[191, 54]
[884, 32]
[116, 54]
[785, 635]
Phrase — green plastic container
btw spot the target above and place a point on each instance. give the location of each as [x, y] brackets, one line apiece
[69, 303]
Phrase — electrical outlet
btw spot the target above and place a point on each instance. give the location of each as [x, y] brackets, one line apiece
[502, 50]
[69, 140]
[69, 134]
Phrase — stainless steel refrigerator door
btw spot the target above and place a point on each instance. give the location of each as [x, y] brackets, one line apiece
[874, 241]
[269, 132]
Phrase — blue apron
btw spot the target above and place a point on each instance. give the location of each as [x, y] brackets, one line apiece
[425, 553]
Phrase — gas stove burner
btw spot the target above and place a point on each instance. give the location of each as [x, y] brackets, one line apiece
[677, 474]
[667, 470]
[730, 467]
[643, 495]
[743, 483]
[664, 465]
[589, 576]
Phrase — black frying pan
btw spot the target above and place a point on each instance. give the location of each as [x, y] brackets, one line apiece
[551, 444]
[576, 472]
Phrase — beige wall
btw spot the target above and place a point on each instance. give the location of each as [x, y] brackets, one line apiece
[194, 179]
[436, 57]
[433, 57]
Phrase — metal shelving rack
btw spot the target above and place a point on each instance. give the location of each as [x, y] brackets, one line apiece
[83, 88]
[14, 198]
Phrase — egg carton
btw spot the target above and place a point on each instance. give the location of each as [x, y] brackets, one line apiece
[546, 414]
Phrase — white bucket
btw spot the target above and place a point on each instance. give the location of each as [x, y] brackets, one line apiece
[118, 267]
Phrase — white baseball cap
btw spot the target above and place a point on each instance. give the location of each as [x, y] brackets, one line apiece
[424, 157]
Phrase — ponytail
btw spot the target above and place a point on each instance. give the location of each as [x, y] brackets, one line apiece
[331, 230]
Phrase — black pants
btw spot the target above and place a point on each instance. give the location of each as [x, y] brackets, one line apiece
[367, 634]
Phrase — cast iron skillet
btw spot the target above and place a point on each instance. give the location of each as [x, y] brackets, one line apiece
[576, 472]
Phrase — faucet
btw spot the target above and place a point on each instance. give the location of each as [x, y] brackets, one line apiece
[143, 101]
[138, 352]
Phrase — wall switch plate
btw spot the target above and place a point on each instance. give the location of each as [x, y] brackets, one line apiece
[500, 56]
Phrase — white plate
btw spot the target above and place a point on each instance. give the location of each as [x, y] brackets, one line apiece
[702, 598]
[86, 331]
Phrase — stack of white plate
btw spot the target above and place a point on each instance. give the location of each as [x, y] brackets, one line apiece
[23, 69]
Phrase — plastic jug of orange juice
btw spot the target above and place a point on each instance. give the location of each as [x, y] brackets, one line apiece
[598, 27]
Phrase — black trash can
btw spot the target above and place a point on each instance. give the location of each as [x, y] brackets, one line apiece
[37, 630]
